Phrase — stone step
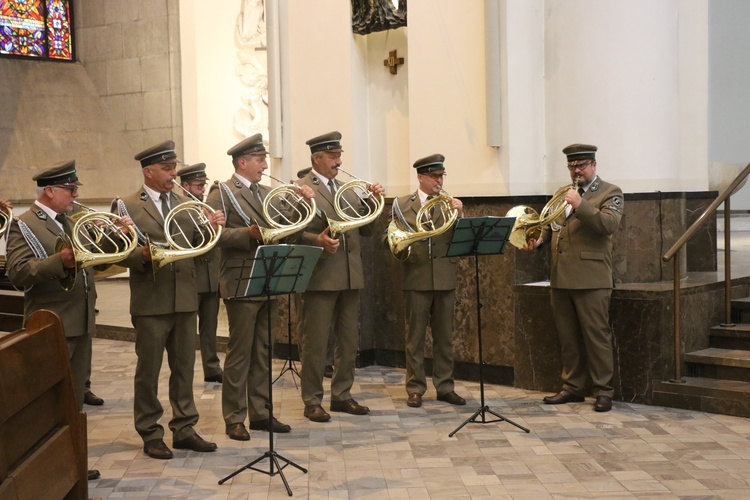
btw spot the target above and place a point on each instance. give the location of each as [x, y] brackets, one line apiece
[730, 337]
[727, 397]
[741, 304]
[738, 358]
[719, 363]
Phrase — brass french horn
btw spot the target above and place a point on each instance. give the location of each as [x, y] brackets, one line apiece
[529, 224]
[401, 236]
[192, 211]
[6, 217]
[293, 216]
[97, 238]
[350, 216]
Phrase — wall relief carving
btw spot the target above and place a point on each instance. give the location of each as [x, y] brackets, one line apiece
[369, 16]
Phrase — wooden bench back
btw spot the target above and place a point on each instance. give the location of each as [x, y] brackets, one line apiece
[42, 434]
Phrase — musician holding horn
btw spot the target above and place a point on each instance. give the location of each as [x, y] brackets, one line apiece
[581, 279]
[429, 283]
[36, 264]
[331, 300]
[244, 391]
[193, 180]
[163, 305]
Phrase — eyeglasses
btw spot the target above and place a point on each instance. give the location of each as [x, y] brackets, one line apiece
[72, 189]
[199, 185]
[580, 165]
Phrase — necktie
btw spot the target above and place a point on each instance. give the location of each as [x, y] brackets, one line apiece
[332, 186]
[432, 210]
[164, 205]
[581, 191]
[256, 192]
[62, 219]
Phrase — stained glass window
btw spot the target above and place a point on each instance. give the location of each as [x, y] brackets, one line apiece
[36, 28]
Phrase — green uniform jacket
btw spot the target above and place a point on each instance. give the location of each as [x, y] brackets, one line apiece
[207, 271]
[343, 269]
[235, 244]
[173, 289]
[427, 268]
[582, 248]
[40, 277]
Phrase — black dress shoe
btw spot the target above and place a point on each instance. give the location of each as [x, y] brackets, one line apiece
[415, 400]
[603, 403]
[452, 398]
[238, 432]
[92, 399]
[316, 413]
[195, 443]
[328, 372]
[563, 397]
[218, 378]
[156, 448]
[262, 425]
[349, 406]
[94, 474]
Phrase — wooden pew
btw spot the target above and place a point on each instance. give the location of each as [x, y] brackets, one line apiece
[11, 310]
[42, 434]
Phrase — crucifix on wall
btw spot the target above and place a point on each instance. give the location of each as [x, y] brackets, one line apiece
[393, 62]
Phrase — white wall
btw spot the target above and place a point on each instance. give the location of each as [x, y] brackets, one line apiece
[211, 92]
[618, 87]
[571, 71]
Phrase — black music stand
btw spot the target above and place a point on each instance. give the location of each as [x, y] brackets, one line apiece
[289, 365]
[275, 270]
[481, 236]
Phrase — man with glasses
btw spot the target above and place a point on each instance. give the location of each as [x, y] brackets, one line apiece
[163, 309]
[429, 287]
[34, 264]
[193, 179]
[581, 280]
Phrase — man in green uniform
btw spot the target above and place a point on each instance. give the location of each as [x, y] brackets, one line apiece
[581, 279]
[429, 288]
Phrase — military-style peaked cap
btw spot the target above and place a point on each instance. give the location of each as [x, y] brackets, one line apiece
[197, 171]
[330, 142]
[430, 164]
[160, 153]
[302, 173]
[253, 145]
[62, 172]
[576, 152]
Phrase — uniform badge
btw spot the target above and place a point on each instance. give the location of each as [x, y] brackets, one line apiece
[315, 180]
[143, 196]
[237, 184]
[595, 186]
[41, 214]
[413, 197]
[617, 201]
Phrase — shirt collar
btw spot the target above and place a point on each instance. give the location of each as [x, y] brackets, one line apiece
[47, 210]
[323, 180]
[422, 196]
[587, 186]
[244, 181]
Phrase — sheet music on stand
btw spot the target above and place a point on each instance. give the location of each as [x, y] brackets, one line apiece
[281, 269]
[480, 235]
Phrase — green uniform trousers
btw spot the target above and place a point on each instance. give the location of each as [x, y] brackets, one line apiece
[208, 318]
[79, 353]
[582, 321]
[246, 364]
[434, 308]
[324, 313]
[176, 333]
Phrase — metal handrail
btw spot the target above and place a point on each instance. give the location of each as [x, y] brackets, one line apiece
[723, 197]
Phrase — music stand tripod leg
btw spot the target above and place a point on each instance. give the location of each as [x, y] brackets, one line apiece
[289, 365]
[273, 457]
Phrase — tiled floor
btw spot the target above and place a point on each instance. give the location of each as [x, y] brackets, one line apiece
[634, 451]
